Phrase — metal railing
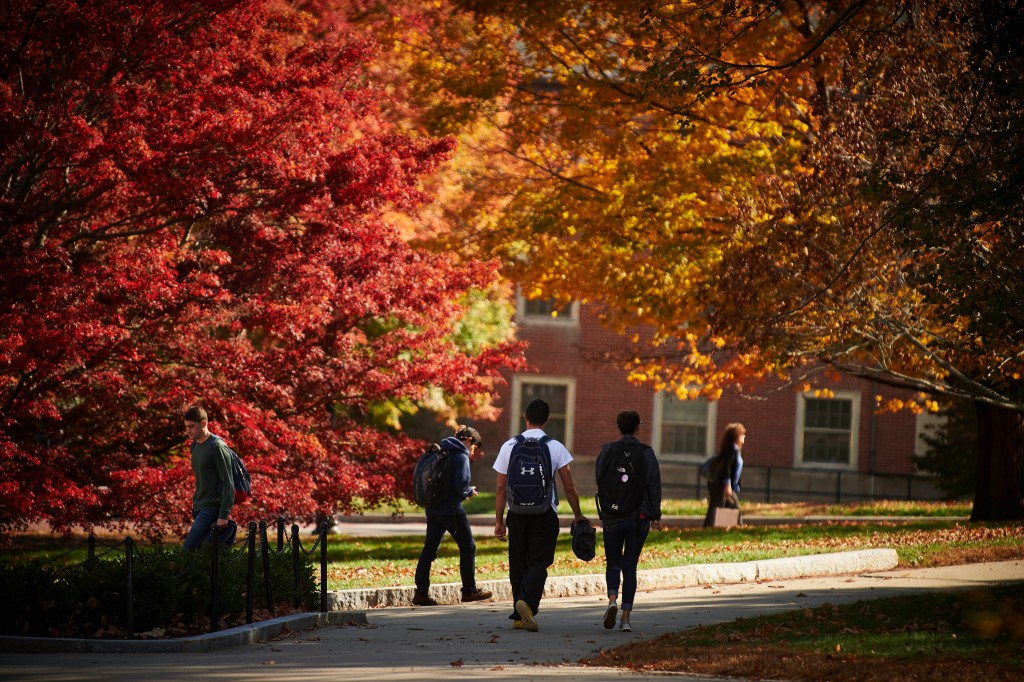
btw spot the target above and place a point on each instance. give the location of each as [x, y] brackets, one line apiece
[217, 552]
[787, 484]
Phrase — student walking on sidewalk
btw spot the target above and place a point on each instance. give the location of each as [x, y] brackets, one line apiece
[449, 516]
[531, 523]
[629, 503]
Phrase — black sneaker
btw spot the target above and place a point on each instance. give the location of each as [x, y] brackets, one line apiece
[476, 595]
[419, 600]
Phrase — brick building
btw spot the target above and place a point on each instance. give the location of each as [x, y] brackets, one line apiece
[798, 448]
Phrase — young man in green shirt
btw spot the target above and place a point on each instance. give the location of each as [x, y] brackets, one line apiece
[215, 488]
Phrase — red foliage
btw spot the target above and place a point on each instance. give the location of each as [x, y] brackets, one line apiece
[190, 211]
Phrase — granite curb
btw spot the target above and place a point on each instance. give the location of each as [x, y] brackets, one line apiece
[837, 563]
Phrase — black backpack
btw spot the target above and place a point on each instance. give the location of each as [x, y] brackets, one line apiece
[530, 477]
[239, 474]
[431, 482]
[714, 468]
[621, 481]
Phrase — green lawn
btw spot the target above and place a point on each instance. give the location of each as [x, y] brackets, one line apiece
[484, 504]
[356, 562]
[966, 635]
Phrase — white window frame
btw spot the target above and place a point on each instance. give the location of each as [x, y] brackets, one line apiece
[572, 319]
[853, 397]
[516, 411]
[659, 416]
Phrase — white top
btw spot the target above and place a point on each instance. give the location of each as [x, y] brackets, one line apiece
[560, 457]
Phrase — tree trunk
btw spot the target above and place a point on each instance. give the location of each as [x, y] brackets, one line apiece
[999, 495]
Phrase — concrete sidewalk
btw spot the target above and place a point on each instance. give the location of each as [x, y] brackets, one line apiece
[476, 641]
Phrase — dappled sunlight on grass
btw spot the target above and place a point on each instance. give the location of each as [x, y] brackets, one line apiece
[965, 636]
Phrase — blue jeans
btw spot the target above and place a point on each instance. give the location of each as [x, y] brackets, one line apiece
[201, 531]
[623, 541]
[456, 524]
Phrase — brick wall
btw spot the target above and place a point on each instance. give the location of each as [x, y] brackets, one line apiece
[578, 352]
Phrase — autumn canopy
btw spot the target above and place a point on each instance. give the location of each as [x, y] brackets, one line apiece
[192, 210]
[786, 189]
[213, 203]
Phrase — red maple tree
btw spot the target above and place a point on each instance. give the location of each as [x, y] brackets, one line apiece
[192, 211]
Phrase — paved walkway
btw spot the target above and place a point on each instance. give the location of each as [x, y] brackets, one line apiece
[477, 642]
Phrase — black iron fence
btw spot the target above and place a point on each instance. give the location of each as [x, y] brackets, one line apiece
[254, 547]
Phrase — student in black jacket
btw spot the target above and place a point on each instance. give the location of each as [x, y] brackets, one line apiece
[625, 531]
[449, 516]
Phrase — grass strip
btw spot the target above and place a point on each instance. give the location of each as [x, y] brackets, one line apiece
[964, 635]
[390, 562]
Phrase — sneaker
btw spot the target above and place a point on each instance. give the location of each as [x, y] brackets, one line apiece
[624, 626]
[518, 625]
[420, 600]
[609, 616]
[476, 595]
[524, 610]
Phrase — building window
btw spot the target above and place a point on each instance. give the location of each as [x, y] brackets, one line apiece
[827, 430]
[683, 429]
[558, 393]
[546, 311]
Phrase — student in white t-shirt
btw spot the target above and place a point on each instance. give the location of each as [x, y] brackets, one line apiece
[532, 537]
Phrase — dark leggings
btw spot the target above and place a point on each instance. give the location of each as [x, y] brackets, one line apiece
[717, 498]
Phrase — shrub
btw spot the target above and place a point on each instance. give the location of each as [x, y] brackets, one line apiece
[170, 587]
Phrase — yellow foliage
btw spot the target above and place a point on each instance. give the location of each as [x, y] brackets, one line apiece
[724, 219]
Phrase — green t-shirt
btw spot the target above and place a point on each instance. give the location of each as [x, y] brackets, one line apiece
[211, 464]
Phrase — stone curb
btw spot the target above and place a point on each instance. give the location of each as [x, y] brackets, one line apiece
[243, 634]
[838, 563]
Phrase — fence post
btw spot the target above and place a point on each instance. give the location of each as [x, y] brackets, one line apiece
[768, 486]
[250, 573]
[910, 483]
[839, 487]
[265, 549]
[296, 601]
[129, 622]
[92, 546]
[214, 577]
[323, 567]
[696, 486]
[280, 533]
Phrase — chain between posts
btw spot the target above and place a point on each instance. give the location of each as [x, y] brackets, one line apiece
[255, 544]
